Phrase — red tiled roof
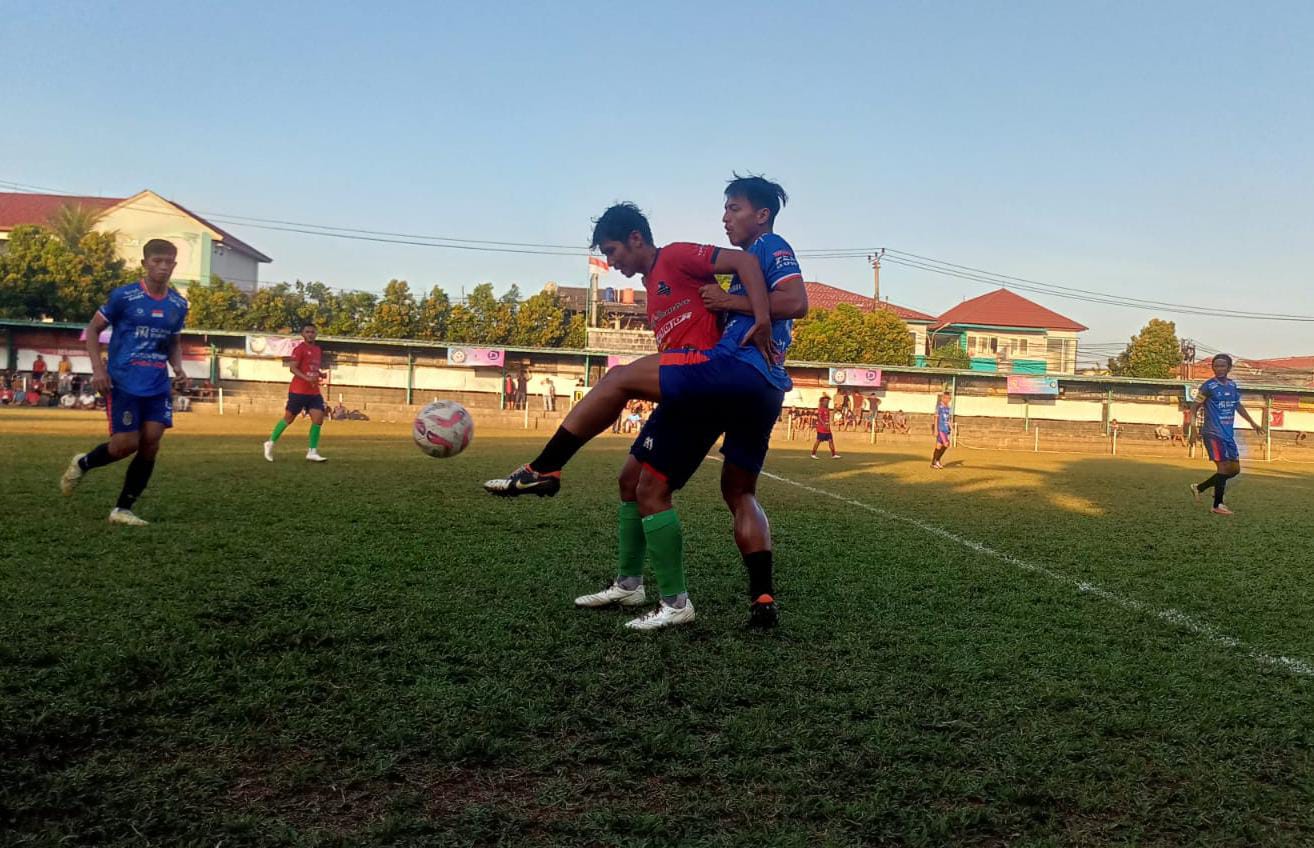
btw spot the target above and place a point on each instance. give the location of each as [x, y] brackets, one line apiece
[1003, 308]
[18, 208]
[822, 296]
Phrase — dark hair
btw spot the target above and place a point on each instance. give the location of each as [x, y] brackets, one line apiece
[158, 247]
[309, 324]
[760, 192]
[1218, 356]
[618, 222]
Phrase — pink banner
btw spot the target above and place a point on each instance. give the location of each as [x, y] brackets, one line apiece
[855, 376]
[487, 357]
[619, 359]
[272, 346]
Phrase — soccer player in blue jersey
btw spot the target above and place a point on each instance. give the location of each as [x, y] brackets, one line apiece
[751, 206]
[145, 318]
[1221, 399]
[943, 426]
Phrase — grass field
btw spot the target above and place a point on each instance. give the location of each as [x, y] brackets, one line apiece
[1020, 650]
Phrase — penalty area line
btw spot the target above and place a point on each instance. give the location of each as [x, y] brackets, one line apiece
[1176, 618]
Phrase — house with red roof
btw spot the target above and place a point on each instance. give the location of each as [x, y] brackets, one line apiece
[204, 248]
[1003, 331]
[822, 296]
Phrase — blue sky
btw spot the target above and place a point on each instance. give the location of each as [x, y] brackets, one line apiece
[1149, 150]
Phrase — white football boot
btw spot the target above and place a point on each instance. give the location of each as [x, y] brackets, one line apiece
[613, 595]
[126, 517]
[72, 476]
[269, 451]
[313, 456]
[663, 616]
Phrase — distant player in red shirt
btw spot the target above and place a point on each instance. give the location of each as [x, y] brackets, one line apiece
[824, 433]
[303, 395]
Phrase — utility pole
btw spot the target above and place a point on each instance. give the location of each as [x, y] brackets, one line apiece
[875, 260]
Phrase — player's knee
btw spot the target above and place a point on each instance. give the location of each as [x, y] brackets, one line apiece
[653, 493]
[628, 482]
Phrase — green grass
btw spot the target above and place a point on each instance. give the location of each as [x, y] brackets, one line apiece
[371, 651]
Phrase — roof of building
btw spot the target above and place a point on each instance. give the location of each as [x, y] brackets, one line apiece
[576, 299]
[1003, 308]
[18, 208]
[822, 296]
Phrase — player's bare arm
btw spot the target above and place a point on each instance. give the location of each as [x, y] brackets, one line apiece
[789, 299]
[750, 274]
[100, 378]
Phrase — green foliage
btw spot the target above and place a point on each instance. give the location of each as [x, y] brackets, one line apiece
[42, 277]
[434, 313]
[351, 313]
[949, 355]
[846, 334]
[219, 305]
[576, 333]
[395, 314]
[73, 222]
[482, 319]
[540, 321]
[275, 309]
[1154, 352]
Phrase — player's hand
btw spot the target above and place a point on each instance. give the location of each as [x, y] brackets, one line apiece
[182, 382]
[759, 336]
[715, 298]
[100, 381]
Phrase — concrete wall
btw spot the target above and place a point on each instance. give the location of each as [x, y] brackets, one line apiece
[237, 268]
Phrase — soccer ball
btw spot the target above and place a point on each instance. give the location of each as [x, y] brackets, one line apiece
[443, 429]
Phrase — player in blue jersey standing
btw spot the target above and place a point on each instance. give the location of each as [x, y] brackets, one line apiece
[145, 318]
[944, 422]
[1221, 399]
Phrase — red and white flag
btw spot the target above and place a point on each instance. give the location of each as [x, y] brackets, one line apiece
[598, 265]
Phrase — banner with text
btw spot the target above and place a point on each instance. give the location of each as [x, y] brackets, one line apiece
[867, 377]
[1019, 384]
[274, 346]
[486, 357]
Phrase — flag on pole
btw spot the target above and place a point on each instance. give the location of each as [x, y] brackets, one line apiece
[598, 265]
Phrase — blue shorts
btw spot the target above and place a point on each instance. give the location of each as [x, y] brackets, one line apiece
[705, 395]
[825, 437]
[1221, 448]
[126, 412]
[298, 403]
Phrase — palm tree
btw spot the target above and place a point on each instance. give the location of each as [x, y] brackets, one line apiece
[72, 221]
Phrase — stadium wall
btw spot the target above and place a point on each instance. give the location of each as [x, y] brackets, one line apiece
[366, 371]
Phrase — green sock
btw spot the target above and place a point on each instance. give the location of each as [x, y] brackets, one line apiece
[665, 542]
[314, 436]
[632, 543]
[278, 430]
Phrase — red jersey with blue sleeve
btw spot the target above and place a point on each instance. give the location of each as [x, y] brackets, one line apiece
[675, 310]
[143, 328]
[776, 259]
[1221, 398]
[306, 357]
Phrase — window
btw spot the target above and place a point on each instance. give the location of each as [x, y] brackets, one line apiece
[1022, 347]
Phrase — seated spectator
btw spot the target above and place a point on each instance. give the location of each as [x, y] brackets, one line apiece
[1162, 433]
[339, 412]
[900, 422]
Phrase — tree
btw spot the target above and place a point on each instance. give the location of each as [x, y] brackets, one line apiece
[577, 336]
[72, 222]
[276, 309]
[949, 355]
[846, 334]
[352, 312]
[41, 277]
[218, 305]
[435, 311]
[540, 321]
[394, 315]
[1154, 352]
[482, 319]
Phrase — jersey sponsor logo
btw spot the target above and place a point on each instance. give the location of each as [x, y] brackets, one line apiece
[662, 313]
[665, 330]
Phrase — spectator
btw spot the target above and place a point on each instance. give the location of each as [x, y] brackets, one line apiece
[39, 368]
[65, 365]
[1175, 435]
[508, 392]
[1162, 433]
[522, 389]
[900, 422]
[339, 411]
[549, 395]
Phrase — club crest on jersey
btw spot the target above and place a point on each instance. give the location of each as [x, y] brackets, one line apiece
[663, 289]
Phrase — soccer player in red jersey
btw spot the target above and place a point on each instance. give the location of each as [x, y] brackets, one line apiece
[303, 395]
[824, 433]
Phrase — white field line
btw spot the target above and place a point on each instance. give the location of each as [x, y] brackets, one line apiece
[1171, 616]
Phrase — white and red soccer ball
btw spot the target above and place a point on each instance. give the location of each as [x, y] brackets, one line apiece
[443, 429]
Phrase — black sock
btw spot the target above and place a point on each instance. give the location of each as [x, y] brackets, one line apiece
[134, 482]
[758, 564]
[1208, 484]
[98, 456]
[939, 452]
[557, 452]
[1219, 487]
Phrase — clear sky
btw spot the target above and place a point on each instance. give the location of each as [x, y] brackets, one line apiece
[1156, 150]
